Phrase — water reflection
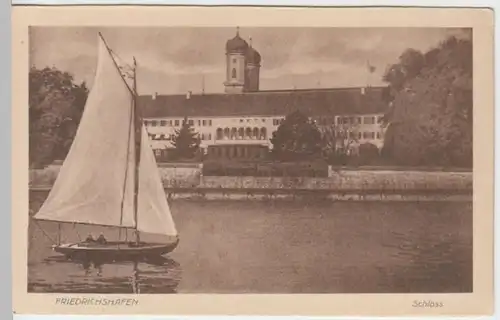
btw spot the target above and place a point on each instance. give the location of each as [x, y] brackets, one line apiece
[159, 275]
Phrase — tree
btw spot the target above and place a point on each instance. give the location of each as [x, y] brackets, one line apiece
[430, 119]
[56, 105]
[297, 138]
[340, 141]
[368, 153]
[186, 142]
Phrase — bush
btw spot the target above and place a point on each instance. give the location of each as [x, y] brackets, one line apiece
[265, 169]
[368, 154]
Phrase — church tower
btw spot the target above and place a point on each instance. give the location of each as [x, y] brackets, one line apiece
[236, 49]
[252, 69]
[242, 66]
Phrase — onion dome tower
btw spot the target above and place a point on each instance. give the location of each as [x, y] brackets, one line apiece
[253, 59]
[236, 50]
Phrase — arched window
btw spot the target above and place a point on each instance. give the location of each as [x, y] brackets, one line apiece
[219, 134]
[248, 133]
[263, 133]
[233, 73]
[226, 133]
[256, 133]
[234, 134]
[241, 133]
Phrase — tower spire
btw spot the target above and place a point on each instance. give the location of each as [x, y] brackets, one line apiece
[238, 31]
[250, 41]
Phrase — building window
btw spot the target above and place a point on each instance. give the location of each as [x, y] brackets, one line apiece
[378, 135]
[372, 135]
[153, 123]
[359, 135]
[241, 120]
[204, 122]
[226, 133]
[369, 120]
[233, 73]
[176, 122]
[234, 134]
[209, 136]
[256, 133]
[263, 120]
[365, 135]
[241, 133]
[210, 123]
[234, 60]
[163, 123]
[191, 122]
[248, 133]
[219, 134]
[380, 119]
[263, 134]
[199, 122]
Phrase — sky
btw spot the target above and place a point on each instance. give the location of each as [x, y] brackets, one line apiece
[176, 60]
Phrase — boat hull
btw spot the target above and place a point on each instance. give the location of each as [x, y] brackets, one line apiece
[113, 251]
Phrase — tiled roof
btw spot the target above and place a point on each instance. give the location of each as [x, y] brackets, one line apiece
[313, 102]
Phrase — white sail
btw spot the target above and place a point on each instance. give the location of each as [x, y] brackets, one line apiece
[95, 184]
[153, 214]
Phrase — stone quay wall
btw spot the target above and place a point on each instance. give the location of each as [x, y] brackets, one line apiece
[189, 176]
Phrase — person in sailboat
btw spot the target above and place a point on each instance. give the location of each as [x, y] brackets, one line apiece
[102, 239]
[90, 238]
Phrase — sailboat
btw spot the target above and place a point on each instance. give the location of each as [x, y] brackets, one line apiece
[110, 176]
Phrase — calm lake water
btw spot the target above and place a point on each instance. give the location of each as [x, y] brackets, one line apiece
[279, 247]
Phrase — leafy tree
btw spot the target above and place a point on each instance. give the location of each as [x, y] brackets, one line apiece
[186, 142]
[297, 138]
[339, 141]
[368, 153]
[56, 105]
[430, 119]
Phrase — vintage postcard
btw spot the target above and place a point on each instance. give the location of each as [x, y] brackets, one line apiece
[255, 161]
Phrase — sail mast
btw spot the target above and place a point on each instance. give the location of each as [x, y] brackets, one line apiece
[138, 137]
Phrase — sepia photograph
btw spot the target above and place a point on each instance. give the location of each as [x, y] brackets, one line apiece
[246, 159]
[290, 160]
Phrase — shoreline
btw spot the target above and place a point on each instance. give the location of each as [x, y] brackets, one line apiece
[286, 194]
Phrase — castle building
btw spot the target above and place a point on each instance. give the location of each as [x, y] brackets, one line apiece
[239, 123]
